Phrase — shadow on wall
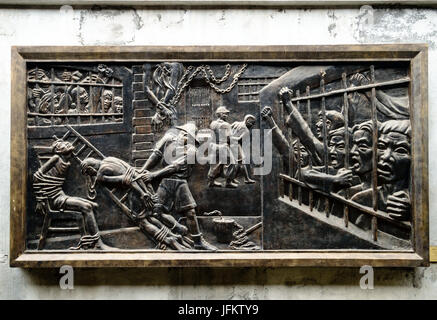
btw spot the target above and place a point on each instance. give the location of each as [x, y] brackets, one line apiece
[229, 276]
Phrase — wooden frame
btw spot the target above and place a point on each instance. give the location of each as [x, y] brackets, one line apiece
[415, 54]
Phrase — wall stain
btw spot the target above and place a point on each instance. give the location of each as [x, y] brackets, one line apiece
[139, 23]
[79, 33]
[114, 32]
[222, 17]
[332, 26]
[396, 26]
[419, 274]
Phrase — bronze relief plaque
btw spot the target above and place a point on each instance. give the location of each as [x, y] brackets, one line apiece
[219, 156]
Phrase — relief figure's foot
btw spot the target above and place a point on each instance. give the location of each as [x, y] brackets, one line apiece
[230, 184]
[100, 245]
[201, 244]
[212, 183]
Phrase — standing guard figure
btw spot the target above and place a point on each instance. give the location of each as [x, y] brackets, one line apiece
[173, 191]
[223, 132]
[240, 130]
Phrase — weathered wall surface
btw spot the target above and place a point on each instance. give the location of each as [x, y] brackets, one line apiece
[67, 26]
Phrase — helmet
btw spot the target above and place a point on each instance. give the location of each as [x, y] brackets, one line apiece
[222, 109]
[189, 128]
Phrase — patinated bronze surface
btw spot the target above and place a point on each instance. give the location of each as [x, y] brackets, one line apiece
[238, 159]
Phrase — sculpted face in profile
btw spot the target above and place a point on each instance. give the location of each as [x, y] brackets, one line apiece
[83, 96]
[319, 126]
[334, 120]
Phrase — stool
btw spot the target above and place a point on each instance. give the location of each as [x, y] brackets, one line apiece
[50, 215]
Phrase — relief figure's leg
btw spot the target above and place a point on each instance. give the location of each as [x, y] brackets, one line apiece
[86, 207]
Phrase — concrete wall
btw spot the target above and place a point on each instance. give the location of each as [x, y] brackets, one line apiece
[66, 26]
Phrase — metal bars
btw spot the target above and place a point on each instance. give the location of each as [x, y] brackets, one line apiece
[55, 97]
[291, 179]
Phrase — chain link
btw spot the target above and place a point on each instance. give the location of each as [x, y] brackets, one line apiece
[222, 79]
[205, 69]
[231, 86]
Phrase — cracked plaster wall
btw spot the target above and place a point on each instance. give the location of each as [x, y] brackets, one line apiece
[67, 26]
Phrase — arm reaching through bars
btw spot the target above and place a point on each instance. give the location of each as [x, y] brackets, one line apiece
[278, 138]
[301, 128]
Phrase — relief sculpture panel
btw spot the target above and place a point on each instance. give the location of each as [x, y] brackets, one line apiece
[219, 156]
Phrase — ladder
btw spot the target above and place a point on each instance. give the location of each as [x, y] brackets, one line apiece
[83, 150]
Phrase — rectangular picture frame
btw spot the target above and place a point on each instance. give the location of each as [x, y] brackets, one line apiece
[415, 54]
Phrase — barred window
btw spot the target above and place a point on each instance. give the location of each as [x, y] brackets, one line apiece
[59, 96]
[249, 88]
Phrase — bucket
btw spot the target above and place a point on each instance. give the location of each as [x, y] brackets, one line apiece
[223, 229]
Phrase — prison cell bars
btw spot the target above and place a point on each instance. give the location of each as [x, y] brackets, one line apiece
[373, 212]
[91, 97]
[66, 103]
[325, 137]
[291, 159]
[52, 93]
[310, 160]
[66, 84]
[378, 213]
[374, 154]
[346, 140]
[78, 103]
[299, 176]
[102, 101]
[37, 106]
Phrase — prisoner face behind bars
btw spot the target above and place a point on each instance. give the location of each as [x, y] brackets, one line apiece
[394, 152]
[337, 148]
[361, 152]
[334, 120]
[304, 158]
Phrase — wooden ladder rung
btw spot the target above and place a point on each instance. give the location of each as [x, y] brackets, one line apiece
[80, 150]
[75, 140]
[66, 135]
[124, 197]
[64, 229]
[91, 152]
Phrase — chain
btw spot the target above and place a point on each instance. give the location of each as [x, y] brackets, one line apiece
[182, 85]
[222, 79]
[184, 82]
[231, 86]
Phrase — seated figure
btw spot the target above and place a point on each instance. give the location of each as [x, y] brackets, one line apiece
[48, 183]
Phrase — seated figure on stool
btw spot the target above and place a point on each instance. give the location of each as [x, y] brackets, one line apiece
[48, 182]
